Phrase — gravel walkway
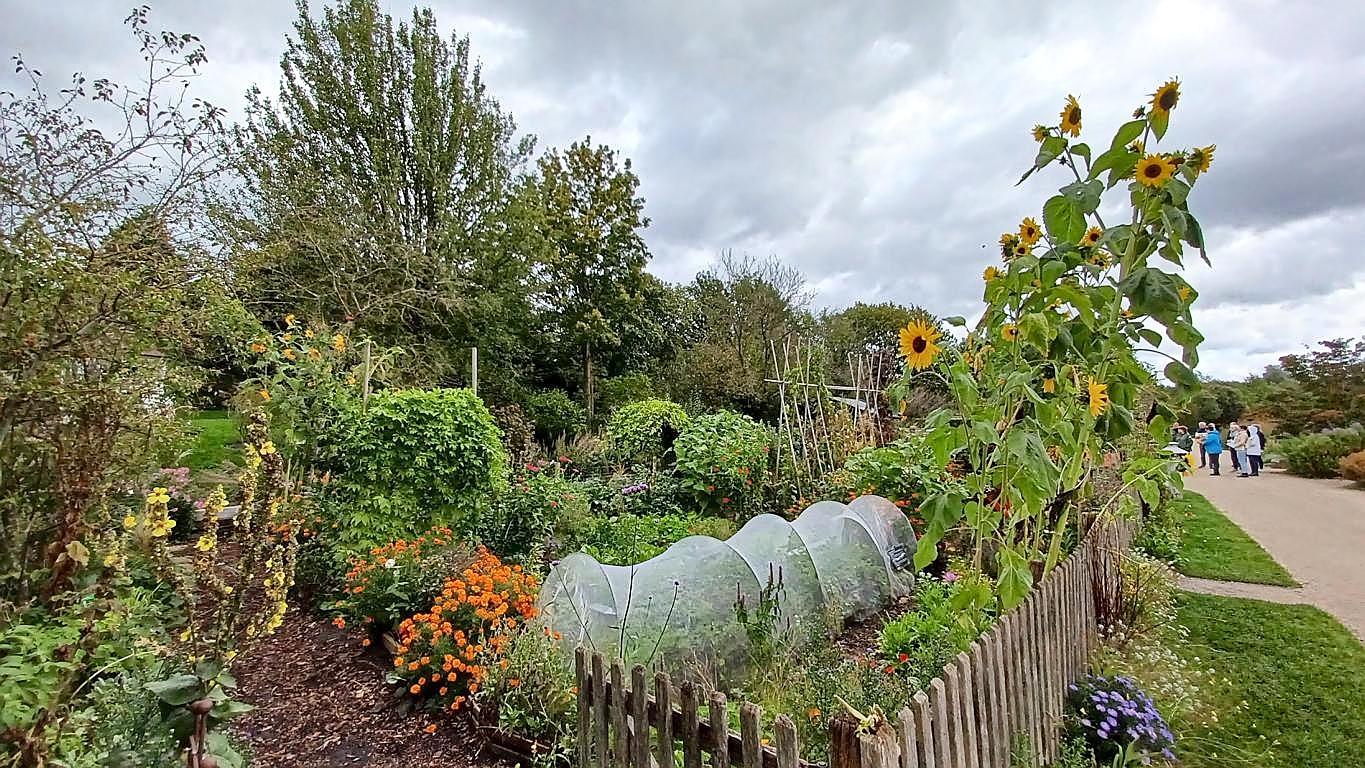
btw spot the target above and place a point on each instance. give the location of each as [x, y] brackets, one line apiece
[1314, 528]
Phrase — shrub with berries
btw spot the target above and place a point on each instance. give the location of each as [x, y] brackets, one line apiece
[444, 655]
[395, 580]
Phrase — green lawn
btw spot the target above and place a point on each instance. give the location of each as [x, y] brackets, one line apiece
[1214, 547]
[1301, 673]
[218, 438]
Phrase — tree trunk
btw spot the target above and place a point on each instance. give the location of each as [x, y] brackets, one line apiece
[589, 395]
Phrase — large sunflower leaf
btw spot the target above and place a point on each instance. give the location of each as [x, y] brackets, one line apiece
[1127, 133]
[1159, 121]
[1181, 375]
[1016, 579]
[1063, 219]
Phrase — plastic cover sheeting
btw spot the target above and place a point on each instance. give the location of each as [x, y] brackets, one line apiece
[834, 561]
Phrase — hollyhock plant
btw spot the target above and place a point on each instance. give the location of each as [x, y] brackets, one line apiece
[1115, 716]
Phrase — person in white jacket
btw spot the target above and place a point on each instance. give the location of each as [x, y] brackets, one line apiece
[1254, 441]
[1238, 441]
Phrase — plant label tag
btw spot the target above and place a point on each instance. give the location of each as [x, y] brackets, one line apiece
[899, 556]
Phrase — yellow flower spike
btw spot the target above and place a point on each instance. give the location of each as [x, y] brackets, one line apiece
[1098, 394]
[1166, 97]
[129, 522]
[919, 344]
[289, 320]
[1029, 231]
[267, 448]
[1154, 171]
[1071, 117]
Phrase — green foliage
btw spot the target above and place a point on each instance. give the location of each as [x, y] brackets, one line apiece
[645, 431]
[629, 539]
[555, 414]
[518, 432]
[905, 470]
[396, 580]
[627, 388]
[651, 492]
[1320, 454]
[414, 459]
[534, 694]
[217, 439]
[1217, 401]
[723, 461]
[947, 617]
[381, 185]
[539, 505]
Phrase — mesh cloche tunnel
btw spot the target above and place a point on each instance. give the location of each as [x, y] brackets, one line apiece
[677, 610]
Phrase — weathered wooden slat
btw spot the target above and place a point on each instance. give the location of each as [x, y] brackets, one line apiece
[982, 696]
[749, 717]
[943, 745]
[1000, 735]
[784, 734]
[599, 711]
[967, 710]
[1029, 636]
[924, 730]
[880, 749]
[691, 726]
[905, 728]
[583, 680]
[620, 754]
[639, 716]
[1009, 658]
[719, 717]
[663, 698]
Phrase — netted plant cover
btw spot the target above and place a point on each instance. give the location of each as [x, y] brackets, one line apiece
[677, 610]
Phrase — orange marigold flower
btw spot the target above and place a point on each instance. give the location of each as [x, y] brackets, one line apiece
[415, 689]
[339, 622]
[430, 728]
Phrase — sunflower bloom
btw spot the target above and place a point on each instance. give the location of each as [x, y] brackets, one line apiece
[990, 274]
[1007, 243]
[257, 347]
[1098, 393]
[1154, 171]
[1092, 236]
[1020, 250]
[339, 343]
[1201, 158]
[1039, 133]
[919, 344]
[1010, 332]
[265, 395]
[1071, 117]
[1166, 97]
[1029, 231]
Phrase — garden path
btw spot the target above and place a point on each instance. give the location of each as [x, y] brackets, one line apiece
[1314, 528]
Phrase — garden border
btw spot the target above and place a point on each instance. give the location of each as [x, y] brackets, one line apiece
[1012, 682]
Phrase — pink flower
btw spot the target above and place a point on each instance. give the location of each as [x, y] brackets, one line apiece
[950, 577]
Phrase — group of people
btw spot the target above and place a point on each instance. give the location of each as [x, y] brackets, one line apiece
[1244, 446]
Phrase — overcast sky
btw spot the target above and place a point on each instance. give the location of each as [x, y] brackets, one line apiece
[875, 145]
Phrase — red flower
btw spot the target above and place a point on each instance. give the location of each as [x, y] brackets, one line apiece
[725, 500]
[904, 657]
[890, 670]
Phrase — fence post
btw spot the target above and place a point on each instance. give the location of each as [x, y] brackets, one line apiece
[639, 715]
[663, 701]
[843, 742]
[967, 713]
[928, 757]
[620, 756]
[752, 750]
[981, 671]
[880, 749]
[719, 717]
[788, 751]
[943, 747]
[905, 723]
[599, 710]
[691, 736]
[580, 657]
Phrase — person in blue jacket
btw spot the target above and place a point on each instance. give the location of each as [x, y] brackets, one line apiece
[1213, 446]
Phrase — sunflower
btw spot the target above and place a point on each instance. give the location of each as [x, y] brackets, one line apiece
[1007, 243]
[1010, 332]
[1020, 250]
[1039, 133]
[1166, 97]
[1201, 157]
[1099, 397]
[1154, 171]
[918, 344]
[1100, 258]
[1028, 231]
[1071, 117]
[1092, 236]
[990, 274]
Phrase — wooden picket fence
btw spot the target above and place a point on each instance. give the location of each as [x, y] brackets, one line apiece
[1007, 690]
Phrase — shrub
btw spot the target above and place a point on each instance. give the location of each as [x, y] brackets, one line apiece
[538, 504]
[1352, 467]
[1161, 533]
[414, 459]
[904, 471]
[518, 432]
[1320, 454]
[1117, 718]
[638, 490]
[581, 455]
[949, 614]
[625, 389]
[534, 694]
[400, 578]
[555, 414]
[644, 431]
[723, 460]
[444, 654]
[629, 539]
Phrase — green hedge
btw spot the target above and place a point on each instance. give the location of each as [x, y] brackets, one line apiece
[413, 459]
[1320, 454]
[723, 461]
[644, 431]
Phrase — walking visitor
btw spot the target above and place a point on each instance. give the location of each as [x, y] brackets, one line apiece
[1231, 443]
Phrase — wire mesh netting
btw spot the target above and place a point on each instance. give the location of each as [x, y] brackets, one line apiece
[834, 562]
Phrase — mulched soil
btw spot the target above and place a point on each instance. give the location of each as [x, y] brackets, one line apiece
[859, 640]
[321, 700]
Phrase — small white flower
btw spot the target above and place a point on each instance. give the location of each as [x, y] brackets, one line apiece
[390, 563]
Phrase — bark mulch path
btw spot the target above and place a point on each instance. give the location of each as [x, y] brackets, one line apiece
[322, 701]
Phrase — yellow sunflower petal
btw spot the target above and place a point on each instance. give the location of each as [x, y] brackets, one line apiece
[1154, 171]
[1098, 393]
[919, 344]
[1071, 117]
[1166, 97]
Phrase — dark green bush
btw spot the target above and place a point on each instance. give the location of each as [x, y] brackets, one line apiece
[412, 460]
[903, 470]
[1320, 454]
[625, 389]
[555, 414]
[535, 510]
[723, 462]
[948, 616]
[643, 432]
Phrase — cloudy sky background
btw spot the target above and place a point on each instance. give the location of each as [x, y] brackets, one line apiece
[875, 145]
